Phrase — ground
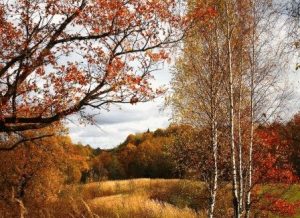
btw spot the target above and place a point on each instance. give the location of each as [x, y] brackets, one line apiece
[152, 198]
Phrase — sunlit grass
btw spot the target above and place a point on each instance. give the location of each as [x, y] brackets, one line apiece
[153, 198]
[137, 205]
[140, 198]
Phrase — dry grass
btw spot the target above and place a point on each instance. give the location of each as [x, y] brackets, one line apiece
[145, 198]
[106, 188]
[138, 198]
[136, 205]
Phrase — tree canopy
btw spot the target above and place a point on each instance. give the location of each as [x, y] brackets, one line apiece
[58, 57]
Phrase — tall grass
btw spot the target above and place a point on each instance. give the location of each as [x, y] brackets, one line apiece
[129, 198]
[140, 198]
[137, 205]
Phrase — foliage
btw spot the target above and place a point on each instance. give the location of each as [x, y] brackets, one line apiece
[272, 156]
[141, 155]
[35, 171]
[59, 57]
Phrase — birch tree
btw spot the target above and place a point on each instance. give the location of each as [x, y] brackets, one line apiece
[198, 88]
[238, 45]
[229, 37]
[267, 90]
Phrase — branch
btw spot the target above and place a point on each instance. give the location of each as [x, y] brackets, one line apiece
[40, 58]
[24, 140]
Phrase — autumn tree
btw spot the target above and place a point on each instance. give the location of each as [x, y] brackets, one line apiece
[229, 73]
[214, 78]
[59, 57]
[198, 84]
[292, 134]
[274, 169]
[266, 91]
[289, 14]
[142, 155]
[33, 172]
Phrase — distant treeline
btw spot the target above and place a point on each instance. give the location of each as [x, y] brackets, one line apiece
[143, 155]
[181, 152]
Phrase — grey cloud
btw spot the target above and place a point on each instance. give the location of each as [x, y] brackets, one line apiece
[114, 126]
[129, 129]
[128, 113]
[92, 131]
[115, 117]
[112, 135]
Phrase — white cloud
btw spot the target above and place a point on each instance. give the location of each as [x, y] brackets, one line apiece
[112, 127]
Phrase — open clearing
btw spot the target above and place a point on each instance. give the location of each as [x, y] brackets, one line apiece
[154, 198]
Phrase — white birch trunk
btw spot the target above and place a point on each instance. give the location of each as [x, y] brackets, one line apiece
[248, 200]
[250, 167]
[231, 119]
[214, 141]
[214, 186]
[240, 155]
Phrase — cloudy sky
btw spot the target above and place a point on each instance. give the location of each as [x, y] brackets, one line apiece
[112, 127]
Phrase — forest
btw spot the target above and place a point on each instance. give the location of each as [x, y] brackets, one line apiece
[232, 145]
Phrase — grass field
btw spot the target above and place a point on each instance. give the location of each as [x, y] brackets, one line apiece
[148, 198]
[140, 198]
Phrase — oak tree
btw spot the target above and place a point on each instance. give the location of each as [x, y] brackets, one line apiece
[59, 57]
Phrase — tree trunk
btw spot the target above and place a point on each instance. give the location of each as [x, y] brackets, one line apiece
[231, 119]
[240, 155]
[248, 200]
[214, 185]
[250, 167]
